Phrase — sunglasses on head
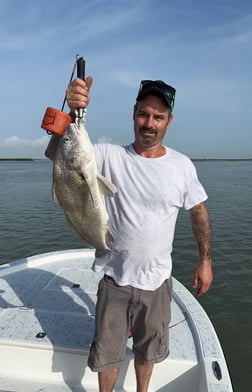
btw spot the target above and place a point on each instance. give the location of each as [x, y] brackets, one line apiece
[159, 86]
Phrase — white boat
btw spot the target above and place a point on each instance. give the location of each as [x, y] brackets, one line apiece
[47, 309]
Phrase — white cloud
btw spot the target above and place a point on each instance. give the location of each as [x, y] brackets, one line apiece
[16, 147]
[104, 139]
[242, 38]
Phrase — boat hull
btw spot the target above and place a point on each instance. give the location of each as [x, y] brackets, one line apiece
[47, 311]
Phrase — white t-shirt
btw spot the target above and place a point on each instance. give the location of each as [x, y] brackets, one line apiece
[143, 213]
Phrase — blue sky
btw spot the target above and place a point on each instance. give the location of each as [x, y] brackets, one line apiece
[202, 48]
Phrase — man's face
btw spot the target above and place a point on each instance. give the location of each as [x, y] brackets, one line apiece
[151, 120]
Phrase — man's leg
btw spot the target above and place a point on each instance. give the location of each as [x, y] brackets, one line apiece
[143, 374]
[150, 327]
[107, 380]
[111, 332]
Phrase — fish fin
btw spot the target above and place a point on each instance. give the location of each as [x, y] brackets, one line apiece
[108, 238]
[109, 235]
[54, 195]
[106, 187]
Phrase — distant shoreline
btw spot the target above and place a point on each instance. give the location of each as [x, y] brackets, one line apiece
[221, 159]
[193, 159]
[17, 159]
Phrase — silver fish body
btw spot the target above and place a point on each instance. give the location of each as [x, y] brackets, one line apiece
[80, 189]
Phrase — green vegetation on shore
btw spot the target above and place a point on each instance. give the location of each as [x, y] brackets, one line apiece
[193, 159]
[16, 159]
[221, 159]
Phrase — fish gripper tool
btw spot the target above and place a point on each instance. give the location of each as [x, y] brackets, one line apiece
[55, 121]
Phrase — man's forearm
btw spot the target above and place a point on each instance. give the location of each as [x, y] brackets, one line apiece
[202, 230]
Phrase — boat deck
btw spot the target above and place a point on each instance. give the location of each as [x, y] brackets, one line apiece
[47, 308]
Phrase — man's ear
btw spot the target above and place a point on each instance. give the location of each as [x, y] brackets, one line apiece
[134, 110]
[170, 119]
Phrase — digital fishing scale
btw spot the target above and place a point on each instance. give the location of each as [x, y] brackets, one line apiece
[55, 121]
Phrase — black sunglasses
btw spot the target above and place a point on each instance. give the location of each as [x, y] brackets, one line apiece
[158, 85]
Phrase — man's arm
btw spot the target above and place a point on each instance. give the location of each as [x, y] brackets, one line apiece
[201, 226]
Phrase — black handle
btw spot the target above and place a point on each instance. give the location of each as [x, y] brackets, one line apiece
[81, 68]
[81, 75]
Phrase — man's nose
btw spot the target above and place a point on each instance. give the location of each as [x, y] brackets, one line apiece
[149, 122]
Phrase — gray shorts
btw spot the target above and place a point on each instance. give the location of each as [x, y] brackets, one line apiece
[119, 308]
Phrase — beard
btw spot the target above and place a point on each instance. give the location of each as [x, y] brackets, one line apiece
[146, 136]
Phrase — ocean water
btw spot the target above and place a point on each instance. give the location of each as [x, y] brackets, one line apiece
[30, 224]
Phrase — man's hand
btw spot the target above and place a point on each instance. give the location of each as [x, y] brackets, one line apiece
[203, 277]
[78, 93]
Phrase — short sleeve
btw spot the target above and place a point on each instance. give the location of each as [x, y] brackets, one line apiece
[194, 192]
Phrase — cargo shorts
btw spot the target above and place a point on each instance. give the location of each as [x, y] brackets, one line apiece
[120, 308]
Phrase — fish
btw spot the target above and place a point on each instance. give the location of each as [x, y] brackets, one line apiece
[80, 189]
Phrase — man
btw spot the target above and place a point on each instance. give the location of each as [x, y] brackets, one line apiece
[153, 182]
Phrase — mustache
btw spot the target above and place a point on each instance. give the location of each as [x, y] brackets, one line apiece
[149, 129]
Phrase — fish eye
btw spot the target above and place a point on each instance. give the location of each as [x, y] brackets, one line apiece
[66, 139]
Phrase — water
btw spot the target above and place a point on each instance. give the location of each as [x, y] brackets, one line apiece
[30, 224]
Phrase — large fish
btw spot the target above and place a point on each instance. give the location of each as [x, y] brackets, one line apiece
[80, 189]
